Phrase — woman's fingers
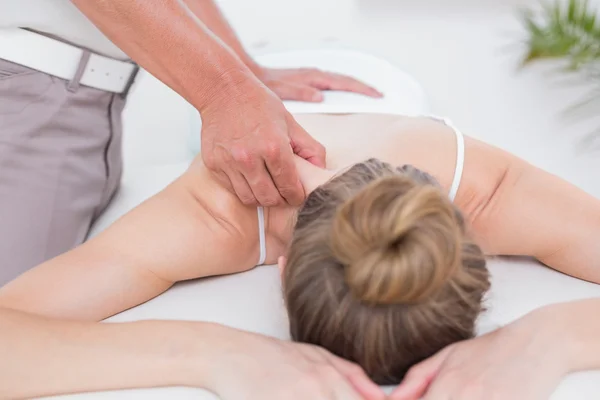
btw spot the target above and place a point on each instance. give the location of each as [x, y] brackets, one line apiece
[419, 377]
[351, 371]
[343, 390]
[359, 379]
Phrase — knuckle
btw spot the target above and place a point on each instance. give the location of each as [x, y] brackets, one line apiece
[261, 187]
[265, 196]
[209, 160]
[247, 199]
[271, 150]
[270, 201]
[243, 156]
[288, 190]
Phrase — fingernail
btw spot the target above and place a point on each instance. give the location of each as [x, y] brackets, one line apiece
[318, 96]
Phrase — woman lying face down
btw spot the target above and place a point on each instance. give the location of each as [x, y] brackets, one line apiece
[380, 270]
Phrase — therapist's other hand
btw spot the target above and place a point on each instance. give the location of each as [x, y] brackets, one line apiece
[307, 84]
[523, 360]
[248, 142]
[263, 368]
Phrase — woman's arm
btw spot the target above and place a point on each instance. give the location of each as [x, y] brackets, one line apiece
[172, 236]
[43, 357]
[524, 360]
[535, 213]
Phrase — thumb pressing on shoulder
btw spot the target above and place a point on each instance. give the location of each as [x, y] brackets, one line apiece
[306, 146]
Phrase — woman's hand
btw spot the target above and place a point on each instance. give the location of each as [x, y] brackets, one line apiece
[256, 367]
[306, 84]
[524, 360]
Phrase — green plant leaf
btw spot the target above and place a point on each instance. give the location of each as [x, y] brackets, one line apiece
[568, 31]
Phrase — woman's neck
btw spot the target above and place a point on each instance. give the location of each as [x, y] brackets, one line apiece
[279, 226]
[280, 221]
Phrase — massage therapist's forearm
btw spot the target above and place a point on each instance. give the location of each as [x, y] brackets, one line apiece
[166, 39]
[208, 12]
[42, 357]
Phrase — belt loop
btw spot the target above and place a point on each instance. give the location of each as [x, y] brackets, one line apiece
[131, 80]
[73, 84]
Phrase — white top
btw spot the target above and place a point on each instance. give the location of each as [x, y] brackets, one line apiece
[59, 18]
[458, 171]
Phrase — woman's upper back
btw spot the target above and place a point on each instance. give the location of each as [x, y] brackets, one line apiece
[423, 142]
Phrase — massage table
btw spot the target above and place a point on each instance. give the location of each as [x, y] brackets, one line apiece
[158, 146]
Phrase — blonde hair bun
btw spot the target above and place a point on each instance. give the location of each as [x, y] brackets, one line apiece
[399, 241]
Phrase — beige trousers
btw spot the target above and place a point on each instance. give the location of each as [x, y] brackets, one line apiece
[60, 164]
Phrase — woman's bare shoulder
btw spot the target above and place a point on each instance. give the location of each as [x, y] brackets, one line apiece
[191, 229]
[229, 227]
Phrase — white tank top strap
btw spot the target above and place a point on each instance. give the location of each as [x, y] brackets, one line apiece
[460, 155]
[261, 236]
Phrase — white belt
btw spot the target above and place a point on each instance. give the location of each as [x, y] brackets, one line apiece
[62, 60]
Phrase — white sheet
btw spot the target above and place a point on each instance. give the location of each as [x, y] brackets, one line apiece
[252, 300]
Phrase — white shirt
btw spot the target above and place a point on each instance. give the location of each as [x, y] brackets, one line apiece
[59, 18]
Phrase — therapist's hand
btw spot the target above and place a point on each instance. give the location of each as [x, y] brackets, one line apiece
[248, 142]
[307, 84]
[256, 367]
[524, 360]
